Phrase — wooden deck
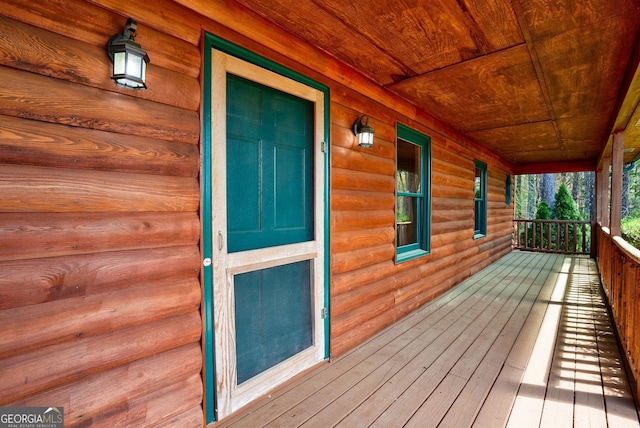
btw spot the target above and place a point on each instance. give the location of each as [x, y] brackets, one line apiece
[525, 342]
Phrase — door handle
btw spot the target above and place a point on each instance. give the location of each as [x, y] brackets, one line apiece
[220, 241]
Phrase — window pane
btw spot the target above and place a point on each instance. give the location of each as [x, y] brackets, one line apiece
[407, 220]
[477, 219]
[478, 185]
[408, 178]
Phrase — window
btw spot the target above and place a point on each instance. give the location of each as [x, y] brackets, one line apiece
[413, 190]
[480, 198]
[507, 190]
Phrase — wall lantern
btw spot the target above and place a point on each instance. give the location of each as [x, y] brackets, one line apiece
[363, 131]
[129, 59]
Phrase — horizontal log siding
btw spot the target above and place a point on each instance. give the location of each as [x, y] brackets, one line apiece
[99, 258]
[368, 289]
[100, 198]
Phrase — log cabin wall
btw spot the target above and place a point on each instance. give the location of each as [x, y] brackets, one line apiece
[99, 227]
[100, 287]
[369, 290]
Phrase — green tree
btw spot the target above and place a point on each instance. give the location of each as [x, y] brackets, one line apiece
[630, 230]
[543, 212]
[632, 189]
[564, 207]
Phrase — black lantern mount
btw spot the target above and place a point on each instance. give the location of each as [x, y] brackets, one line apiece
[129, 59]
[363, 131]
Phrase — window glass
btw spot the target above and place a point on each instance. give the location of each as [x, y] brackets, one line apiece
[409, 177]
[407, 220]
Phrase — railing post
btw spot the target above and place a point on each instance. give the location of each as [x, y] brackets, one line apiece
[617, 152]
[602, 196]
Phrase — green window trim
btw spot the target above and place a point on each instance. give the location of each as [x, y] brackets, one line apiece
[507, 190]
[480, 200]
[416, 197]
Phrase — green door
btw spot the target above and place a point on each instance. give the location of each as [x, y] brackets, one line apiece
[267, 211]
[269, 203]
[269, 166]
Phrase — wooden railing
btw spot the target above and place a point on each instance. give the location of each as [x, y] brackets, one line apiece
[553, 236]
[619, 265]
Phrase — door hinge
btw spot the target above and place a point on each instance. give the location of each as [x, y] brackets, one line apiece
[323, 147]
[323, 313]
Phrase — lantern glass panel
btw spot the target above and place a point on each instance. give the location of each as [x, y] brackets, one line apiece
[119, 63]
[134, 66]
[365, 139]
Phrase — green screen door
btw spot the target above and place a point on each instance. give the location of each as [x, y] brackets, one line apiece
[270, 202]
[267, 229]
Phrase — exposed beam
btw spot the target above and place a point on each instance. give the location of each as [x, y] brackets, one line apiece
[535, 60]
[553, 167]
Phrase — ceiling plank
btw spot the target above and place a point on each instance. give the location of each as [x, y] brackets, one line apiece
[584, 78]
[511, 140]
[426, 36]
[547, 18]
[492, 91]
[535, 61]
[319, 27]
[492, 70]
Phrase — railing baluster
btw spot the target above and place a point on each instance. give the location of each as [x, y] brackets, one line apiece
[571, 237]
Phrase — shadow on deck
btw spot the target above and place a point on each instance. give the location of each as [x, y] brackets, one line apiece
[525, 342]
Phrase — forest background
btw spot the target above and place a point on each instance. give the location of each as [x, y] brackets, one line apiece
[531, 190]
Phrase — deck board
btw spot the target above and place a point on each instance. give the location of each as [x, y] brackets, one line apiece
[466, 406]
[438, 356]
[525, 342]
[499, 402]
[472, 351]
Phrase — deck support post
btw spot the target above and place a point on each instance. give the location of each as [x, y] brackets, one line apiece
[602, 193]
[616, 182]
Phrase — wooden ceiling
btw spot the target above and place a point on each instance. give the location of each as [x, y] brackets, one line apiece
[536, 81]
